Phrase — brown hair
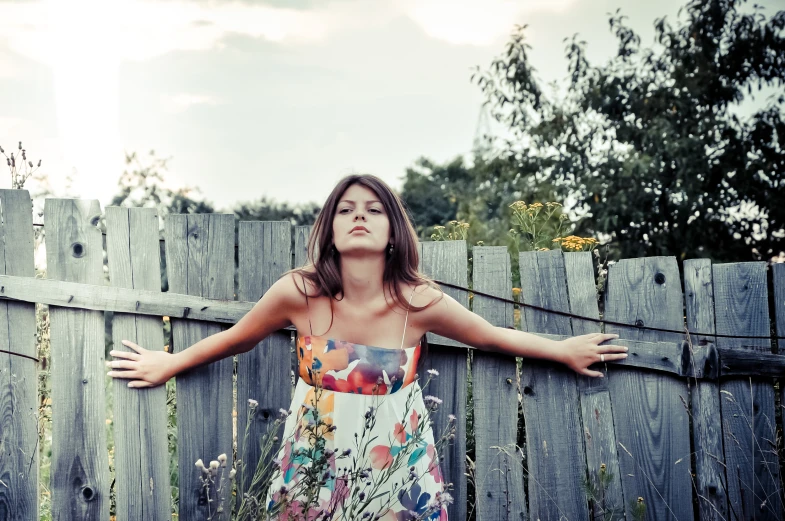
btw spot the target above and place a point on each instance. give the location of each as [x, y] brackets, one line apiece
[401, 265]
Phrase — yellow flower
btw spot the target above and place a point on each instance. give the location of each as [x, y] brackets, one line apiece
[516, 291]
[518, 206]
[438, 227]
[535, 205]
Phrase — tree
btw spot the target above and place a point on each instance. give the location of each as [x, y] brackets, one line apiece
[479, 194]
[651, 144]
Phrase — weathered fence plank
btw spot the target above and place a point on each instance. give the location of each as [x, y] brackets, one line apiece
[140, 417]
[447, 261]
[653, 438]
[301, 235]
[18, 376]
[498, 470]
[262, 373]
[710, 483]
[596, 412]
[550, 399]
[778, 273]
[200, 261]
[80, 463]
[749, 429]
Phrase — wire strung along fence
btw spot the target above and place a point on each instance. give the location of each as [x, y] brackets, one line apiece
[684, 429]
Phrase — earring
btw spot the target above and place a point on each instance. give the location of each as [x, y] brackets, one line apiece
[390, 249]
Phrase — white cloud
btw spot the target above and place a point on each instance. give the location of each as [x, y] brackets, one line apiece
[475, 22]
[183, 101]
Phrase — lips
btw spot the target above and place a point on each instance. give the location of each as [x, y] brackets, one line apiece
[363, 228]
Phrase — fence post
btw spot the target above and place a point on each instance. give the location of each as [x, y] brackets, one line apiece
[741, 308]
[652, 431]
[141, 452]
[447, 261]
[200, 262]
[262, 373]
[80, 463]
[597, 415]
[556, 462]
[710, 483]
[18, 375]
[498, 471]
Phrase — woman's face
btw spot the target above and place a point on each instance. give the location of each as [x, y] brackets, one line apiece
[361, 224]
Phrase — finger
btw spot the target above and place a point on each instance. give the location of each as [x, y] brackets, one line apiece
[133, 346]
[604, 337]
[139, 384]
[615, 356]
[128, 355]
[595, 374]
[123, 374]
[121, 364]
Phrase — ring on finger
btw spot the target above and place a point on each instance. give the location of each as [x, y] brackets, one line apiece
[602, 358]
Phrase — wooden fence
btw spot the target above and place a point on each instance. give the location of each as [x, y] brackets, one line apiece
[685, 427]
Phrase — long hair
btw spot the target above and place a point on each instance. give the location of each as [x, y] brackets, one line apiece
[323, 269]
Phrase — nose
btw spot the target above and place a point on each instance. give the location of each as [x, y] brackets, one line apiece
[359, 215]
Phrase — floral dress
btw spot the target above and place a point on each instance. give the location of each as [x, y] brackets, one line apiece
[359, 432]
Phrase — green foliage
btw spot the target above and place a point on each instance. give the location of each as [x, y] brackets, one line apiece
[478, 194]
[650, 145]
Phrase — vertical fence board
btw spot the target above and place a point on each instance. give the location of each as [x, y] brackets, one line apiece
[301, 234]
[18, 376]
[596, 412]
[710, 484]
[200, 262]
[262, 373]
[499, 472]
[653, 431]
[778, 272]
[550, 399]
[447, 261]
[741, 308]
[141, 449]
[80, 463]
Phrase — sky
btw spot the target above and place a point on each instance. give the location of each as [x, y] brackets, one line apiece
[270, 98]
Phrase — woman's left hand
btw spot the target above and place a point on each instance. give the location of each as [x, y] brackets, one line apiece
[579, 352]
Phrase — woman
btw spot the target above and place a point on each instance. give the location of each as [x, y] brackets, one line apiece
[361, 310]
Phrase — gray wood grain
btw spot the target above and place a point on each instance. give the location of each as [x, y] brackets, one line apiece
[262, 373]
[749, 429]
[18, 376]
[301, 235]
[597, 416]
[498, 470]
[200, 261]
[140, 416]
[80, 463]
[653, 438]
[710, 480]
[550, 399]
[447, 261]
[778, 276]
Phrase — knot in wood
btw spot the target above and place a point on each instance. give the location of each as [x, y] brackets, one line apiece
[78, 250]
[659, 278]
[88, 494]
[639, 323]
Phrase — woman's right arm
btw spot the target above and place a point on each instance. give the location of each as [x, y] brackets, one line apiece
[274, 311]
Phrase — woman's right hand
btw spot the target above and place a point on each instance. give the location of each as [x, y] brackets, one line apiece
[143, 367]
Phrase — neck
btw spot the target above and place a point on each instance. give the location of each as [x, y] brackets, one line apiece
[362, 277]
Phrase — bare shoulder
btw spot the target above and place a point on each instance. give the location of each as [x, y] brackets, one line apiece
[292, 287]
[425, 294]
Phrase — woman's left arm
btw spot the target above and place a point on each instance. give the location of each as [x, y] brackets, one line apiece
[448, 318]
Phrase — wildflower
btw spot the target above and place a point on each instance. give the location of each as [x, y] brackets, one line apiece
[346, 452]
[213, 465]
[452, 417]
[284, 413]
[232, 473]
[222, 460]
[199, 464]
[432, 400]
[277, 462]
[433, 372]
[252, 403]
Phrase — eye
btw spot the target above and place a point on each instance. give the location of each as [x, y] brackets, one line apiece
[344, 210]
[375, 210]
